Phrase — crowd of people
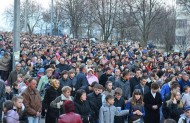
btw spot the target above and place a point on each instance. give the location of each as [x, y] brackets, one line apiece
[68, 81]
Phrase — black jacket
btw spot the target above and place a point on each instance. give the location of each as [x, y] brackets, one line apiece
[81, 81]
[64, 82]
[151, 114]
[50, 95]
[119, 103]
[95, 103]
[165, 109]
[146, 89]
[84, 110]
[133, 82]
[63, 67]
[104, 79]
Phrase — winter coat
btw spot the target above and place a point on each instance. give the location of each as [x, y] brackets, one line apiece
[70, 118]
[81, 81]
[64, 82]
[2, 94]
[119, 103]
[83, 108]
[151, 114]
[41, 85]
[107, 113]
[165, 90]
[165, 109]
[62, 67]
[32, 101]
[13, 77]
[4, 63]
[95, 102]
[103, 79]
[125, 86]
[50, 95]
[174, 111]
[184, 119]
[146, 89]
[182, 83]
[11, 117]
[133, 82]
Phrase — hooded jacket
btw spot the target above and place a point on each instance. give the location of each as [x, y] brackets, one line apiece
[11, 117]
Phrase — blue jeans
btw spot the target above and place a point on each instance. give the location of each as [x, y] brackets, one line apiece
[33, 119]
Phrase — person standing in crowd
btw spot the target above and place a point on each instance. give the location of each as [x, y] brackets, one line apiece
[65, 81]
[119, 102]
[124, 84]
[69, 116]
[186, 97]
[184, 81]
[95, 99]
[2, 97]
[51, 93]
[59, 101]
[19, 107]
[108, 111]
[73, 80]
[81, 78]
[10, 116]
[108, 91]
[185, 117]
[4, 66]
[91, 77]
[32, 102]
[44, 81]
[152, 103]
[83, 107]
[117, 76]
[8, 93]
[13, 75]
[135, 80]
[175, 106]
[62, 66]
[104, 77]
[136, 107]
[142, 86]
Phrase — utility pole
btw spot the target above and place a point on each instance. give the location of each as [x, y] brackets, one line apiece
[51, 30]
[16, 33]
[25, 16]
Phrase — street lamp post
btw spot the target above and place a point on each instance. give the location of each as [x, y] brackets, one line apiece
[16, 33]
[51, 30]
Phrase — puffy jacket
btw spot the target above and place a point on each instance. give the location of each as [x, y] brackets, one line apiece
[107, 113]
[70, 118]
[11, 117]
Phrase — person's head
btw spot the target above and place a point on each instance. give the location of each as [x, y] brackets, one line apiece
[175, 94]
[80, 95]
[69, 106]
[185, 76]
[143, 80]
[32, 83]
[83, 68]
[109, 85]
[62, 60]
[187, 111]
[186, 89]
[118, 93]
[170, 121]
[8, 105]
[175, 86]
[55, 83]
[66, 90]
[19, 78]
[137, 97]
[18, 101]
[126, 75]
[108, 70]
[117, 72]
[98, 89]
[155, 87]
[138, 73]
[110, 99]
[72, 73]
[64, 74]
[15, 85]
[18, 66]
[90, 72]
[8, 89]
[49, 72]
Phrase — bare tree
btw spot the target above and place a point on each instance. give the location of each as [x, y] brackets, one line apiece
[34, 15]
[185, 4]
[145, 14]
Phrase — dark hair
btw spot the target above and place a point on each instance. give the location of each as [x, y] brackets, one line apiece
[30, 80]
[98, 86]
[175, 85]
[124, 73]
[93, 84]
[185, 88]
[15, 84]
[155, 86]
[64, 72]
[82, 67]
[108, 97]
[144, 77]
[79, 93]
[170, 121]
[8, 105]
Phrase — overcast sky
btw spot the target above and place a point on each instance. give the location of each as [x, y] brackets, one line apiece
[44, 3]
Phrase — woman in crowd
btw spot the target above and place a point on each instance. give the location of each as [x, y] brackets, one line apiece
[51, 93]
[136, 107]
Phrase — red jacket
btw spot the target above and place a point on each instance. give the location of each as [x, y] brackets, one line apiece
[70, 118]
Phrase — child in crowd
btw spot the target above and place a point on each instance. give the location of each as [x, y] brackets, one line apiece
[185, 118]
[108, 111]
[73, 80]
[136, 107]
[8, 93]
[120, 103]
[10, 116]
[186, 90]
[19, 107]
[15, 88]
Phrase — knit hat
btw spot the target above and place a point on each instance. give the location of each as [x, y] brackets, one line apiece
[69, 106]
[41, 70]
[186, 108]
